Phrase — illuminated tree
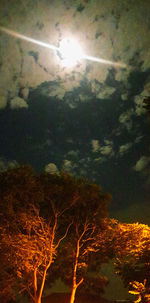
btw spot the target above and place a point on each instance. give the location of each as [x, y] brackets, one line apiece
[31, 250]
[84, 242]
[37, 212]
[140, 291]
[87, 218]
[132, 253]
[18, 189]
[129, 246]
[32, 213]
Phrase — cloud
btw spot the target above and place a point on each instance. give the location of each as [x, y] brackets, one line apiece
[12, 164]
[51, 168]
[141, 164]
[57, 91]
[139, 105]
[95, 146]
[107, 149]
[25, 92]
[84, 97]
[67, 165]
[124, 96]
[18, 102]
[73, 154]
[3, 102]
[102, 91]
[106, 92]
[124, 148]
[138, 138]
[3, 98]
[101, 35]
[126, 119]
[100, 160]
[4, 164]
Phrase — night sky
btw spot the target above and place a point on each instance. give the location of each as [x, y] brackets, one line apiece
[88, 119]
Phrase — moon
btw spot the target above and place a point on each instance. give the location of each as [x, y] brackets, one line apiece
[70, 52]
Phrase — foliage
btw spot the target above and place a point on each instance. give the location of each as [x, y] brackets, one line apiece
[87, 217]
[31, 250]
[6, 284]
[129, 246]
[140, 290]
[94, 284]
[59, 193]
[19, 189]
[132, 252]
[37, 213]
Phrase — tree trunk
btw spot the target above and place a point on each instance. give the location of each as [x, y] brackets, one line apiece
[43, 282]
[38, 300]
[35, 284]
[73, 293]
[74, 284]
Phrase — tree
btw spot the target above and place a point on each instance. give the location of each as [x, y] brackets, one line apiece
[19, 187]
[87, 218]
[37, 212]
[132, 253]
[31, 250]
[129, 246]
[85, 242]
[6, 279]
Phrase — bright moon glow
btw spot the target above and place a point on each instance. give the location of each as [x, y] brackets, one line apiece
[69, 50]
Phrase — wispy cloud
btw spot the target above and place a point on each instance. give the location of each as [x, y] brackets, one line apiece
[123, 149]
[126, 119]
[141, 164]
[95, 146]
[51, 168]
[139, 105]
[107, 148]
[18, 102]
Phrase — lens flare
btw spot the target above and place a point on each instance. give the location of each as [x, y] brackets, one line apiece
[103, 61]
[22, 37]
[69, 50]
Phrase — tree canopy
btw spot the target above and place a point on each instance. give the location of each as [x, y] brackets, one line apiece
[40, 212]
[57, 226]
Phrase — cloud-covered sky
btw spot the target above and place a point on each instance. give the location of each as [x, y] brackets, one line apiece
[89, 119]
